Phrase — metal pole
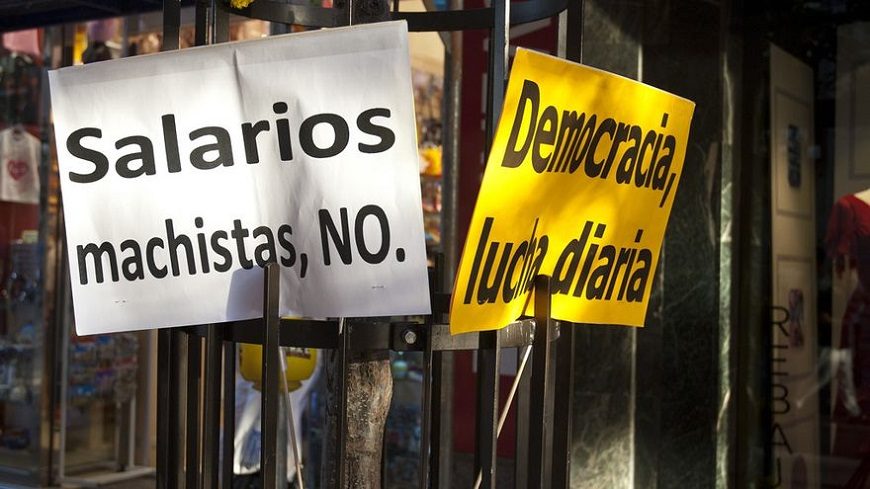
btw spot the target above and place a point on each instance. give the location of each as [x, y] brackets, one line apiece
[426, 448]
[451, 114]
[521, 456]
[271, 372]
[220, 23]
[436, 407]
[168, 405]
[212, 405]
[164, 410]
[488, 360]
[192, 438]
[206, 13]
[538, 466]
[229, 426]
[499, 47]
[563, 408]
[201, 26]
[168, 421]
[171, 24]
[341, 424]
[563, 404]
[442, 362]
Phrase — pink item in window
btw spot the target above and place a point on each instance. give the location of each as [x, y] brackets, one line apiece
[22, 42]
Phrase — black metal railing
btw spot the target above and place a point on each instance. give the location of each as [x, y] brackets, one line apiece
[543, 413]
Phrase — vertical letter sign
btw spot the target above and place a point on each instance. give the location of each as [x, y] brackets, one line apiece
[184, 173]
[579, 185]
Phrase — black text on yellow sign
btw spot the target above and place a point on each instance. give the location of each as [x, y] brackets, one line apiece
[579, 185]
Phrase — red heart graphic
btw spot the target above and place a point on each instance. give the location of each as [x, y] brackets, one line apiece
[17, 169]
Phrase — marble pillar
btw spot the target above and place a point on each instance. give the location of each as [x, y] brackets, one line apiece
[647, 401]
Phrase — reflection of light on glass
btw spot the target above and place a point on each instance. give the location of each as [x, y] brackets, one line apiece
[604, 457]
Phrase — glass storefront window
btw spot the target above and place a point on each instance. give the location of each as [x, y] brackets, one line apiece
[753, 369]
[22, 324]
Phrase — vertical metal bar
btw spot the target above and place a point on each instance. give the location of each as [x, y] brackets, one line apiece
[192, 427]
[229, 414]
[212, 406]
[208, 473]
[168, 405]
[271, 374]
[171, 24]
[203, 35]
[485, 457]
[451, 114]
[200, 33]
[442, 407]
[164, 409]
[521, 457]
[488, 359]
[498, 61]
[574, 31]
[175, 399]
[426, 429]
[563, 403]
[549, 409]
[436, 404]
[426, 421]
[440, 403]
[436, 408]
[540, 380]
[489, 352]
[168, 421]
[341, 422]
[220, 23]
[563, 407]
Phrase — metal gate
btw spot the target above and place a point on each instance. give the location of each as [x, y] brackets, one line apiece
[196, 396]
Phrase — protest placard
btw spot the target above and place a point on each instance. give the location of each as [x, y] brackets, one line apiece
[184, 173]
[579, 185]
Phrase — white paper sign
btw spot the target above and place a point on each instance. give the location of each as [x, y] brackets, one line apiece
[183, 173]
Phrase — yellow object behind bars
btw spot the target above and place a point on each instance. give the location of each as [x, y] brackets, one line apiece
[300, 365]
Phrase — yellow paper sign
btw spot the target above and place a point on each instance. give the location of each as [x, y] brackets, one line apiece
[579, 185]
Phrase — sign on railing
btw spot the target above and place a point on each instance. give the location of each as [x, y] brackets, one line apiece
[579, 185]
[184, 173]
